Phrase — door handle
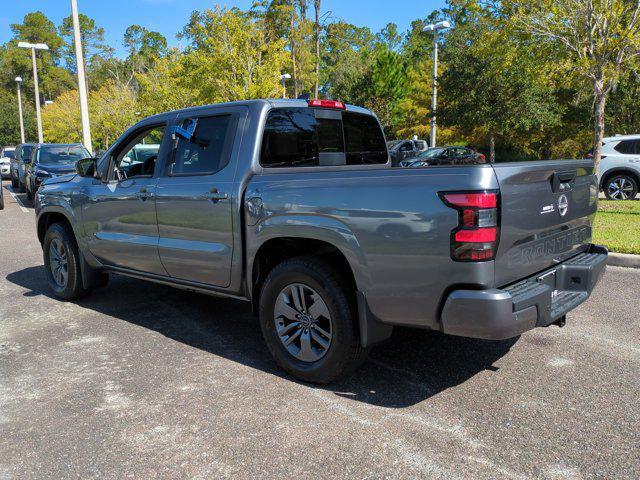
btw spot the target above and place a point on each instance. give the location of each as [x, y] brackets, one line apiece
[143, 194]
[215, 196]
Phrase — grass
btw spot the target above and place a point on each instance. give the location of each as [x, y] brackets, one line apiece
[617, 226]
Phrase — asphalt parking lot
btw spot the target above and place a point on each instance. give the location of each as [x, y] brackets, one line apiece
[144, 381]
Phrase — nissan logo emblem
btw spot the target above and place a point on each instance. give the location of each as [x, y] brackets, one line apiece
[563, 205]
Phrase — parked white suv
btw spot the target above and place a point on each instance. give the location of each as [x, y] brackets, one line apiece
[620, 167]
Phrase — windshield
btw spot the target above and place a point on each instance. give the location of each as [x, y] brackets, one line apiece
[432, 152]
[9, 153]
[393, 143]
[48, 154]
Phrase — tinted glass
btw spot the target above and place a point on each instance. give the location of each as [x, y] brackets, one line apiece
[205, 152]
[290, 139]
[628, 147]
[330, 137]
[363, 138]
[9, 153]
[432, 152]
[59, 154]
[25, 152]
[294, 137]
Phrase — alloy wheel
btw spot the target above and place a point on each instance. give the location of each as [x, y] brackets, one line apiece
[620, 189]
[58, 263]
[303, 322]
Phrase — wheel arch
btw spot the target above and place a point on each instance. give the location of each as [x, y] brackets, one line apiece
[618, 170]
[51, 216]
[275, 250]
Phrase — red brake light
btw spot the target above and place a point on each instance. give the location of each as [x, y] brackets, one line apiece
[327, 104]
[475, 239]
[479, 235]
[478, 200]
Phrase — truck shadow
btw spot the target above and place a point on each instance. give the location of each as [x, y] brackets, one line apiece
[411, 367]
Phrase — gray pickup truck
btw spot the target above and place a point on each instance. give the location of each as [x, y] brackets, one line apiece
[293, 205]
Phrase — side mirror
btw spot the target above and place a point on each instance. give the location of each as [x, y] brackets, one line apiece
[87, 167]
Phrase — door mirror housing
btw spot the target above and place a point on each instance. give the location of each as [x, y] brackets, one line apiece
[87, 167]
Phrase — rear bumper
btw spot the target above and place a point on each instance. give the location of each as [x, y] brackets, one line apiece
[536, 301]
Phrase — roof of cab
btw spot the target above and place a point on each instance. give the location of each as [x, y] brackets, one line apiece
[271, 102]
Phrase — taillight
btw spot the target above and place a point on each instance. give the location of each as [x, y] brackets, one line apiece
[475, 239]
[327, 104]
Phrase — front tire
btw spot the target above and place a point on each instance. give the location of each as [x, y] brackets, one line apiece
[14, 183]
[621, 187]
[62, 263]
[308, 321]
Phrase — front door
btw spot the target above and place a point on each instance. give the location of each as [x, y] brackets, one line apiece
[194, 198]
[120, 212]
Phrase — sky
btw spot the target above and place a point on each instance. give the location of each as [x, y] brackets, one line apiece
[169, 16]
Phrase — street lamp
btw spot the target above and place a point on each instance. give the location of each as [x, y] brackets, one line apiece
[435, 28]
[283, 77]
[19, 82]
[34, 47]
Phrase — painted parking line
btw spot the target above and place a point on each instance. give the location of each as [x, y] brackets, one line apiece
[18, 201]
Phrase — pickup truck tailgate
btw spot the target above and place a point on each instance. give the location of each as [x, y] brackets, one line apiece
[547, 209]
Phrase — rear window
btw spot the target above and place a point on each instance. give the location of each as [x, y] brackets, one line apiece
[307, 137]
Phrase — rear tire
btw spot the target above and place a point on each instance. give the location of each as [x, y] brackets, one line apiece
[328, 357]
[620, 187]
[20, 186]
[62, 263]
[14, 183]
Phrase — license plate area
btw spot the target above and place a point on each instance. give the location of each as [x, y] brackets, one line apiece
[549, 279]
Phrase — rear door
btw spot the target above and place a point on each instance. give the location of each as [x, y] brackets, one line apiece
[547, 209]
[194, 197]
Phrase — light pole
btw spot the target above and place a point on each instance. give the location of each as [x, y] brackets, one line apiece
[435, 28]
[19, 82]
[34, 47]
[283, 77]
[82, 85]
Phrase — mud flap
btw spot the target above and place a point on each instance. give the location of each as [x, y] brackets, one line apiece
[372, 331]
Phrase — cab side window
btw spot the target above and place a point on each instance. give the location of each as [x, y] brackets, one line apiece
[139, 156]
[208, 149]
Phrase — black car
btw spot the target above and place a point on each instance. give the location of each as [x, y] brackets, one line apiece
[400, 150]
[445, 156]
[18, 165]
[51, 160]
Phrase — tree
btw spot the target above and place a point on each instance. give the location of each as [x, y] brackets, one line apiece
[599, 37]
[491, 81]
[229, 58]
[16, 61]
[61, 120]
[92, 37]
[10, 122]
[145, 47]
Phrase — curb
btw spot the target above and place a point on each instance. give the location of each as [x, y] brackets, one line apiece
[623, 260]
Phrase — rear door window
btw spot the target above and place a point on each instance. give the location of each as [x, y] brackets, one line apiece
[208, 150]
[307, 137]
